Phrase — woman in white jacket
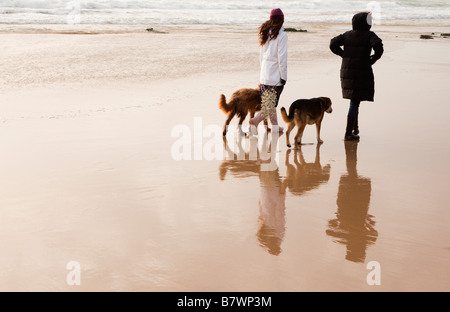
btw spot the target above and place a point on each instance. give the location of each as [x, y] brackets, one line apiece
[273, 59]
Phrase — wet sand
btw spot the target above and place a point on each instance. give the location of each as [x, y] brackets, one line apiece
[87, 135]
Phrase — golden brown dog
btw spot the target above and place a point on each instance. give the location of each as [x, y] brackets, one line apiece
[242, 102]
[306, 112]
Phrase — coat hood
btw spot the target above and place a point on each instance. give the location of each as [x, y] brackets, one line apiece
[361, 22]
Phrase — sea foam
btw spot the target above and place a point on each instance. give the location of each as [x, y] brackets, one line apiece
[227, 12]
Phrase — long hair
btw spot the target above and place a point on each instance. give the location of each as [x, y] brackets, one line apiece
[270, 29]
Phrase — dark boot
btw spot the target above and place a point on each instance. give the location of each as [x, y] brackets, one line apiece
[349, 136]
[355, 127]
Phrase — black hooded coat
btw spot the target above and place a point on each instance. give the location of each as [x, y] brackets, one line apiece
[357, 78]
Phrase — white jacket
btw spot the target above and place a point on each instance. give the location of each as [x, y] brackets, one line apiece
[273, 60]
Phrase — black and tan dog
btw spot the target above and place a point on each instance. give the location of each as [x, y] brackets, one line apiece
[306, 112]
[242, 102]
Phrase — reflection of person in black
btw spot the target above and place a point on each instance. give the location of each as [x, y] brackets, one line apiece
[304, 177]
[255, 162]
[353, 226]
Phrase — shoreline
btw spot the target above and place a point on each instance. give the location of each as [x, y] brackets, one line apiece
[95, 29]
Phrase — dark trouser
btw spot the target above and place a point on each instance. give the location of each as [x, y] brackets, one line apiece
[352, 130]
[354, 109]
[278, 90]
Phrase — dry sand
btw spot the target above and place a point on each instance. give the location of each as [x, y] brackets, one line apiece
[88, 173]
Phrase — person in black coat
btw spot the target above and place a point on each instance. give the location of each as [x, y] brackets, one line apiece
[357, 78]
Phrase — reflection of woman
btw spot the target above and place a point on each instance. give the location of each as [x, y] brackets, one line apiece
[272, 208]
[273, 59]
[272, 200]
[272, 212]
[353, 226]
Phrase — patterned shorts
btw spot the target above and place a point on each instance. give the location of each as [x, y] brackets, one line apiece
[278, 89]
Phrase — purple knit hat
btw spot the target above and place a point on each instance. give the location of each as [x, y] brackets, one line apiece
[276, 12]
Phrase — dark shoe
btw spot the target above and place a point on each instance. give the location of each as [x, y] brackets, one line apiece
[355, 127]
[351, 137]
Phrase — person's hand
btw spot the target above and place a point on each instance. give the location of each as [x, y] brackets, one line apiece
[283, 82]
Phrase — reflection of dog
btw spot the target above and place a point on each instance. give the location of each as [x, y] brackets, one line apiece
[242, 102]
[306, 112]
[304, 177]
[240, 163]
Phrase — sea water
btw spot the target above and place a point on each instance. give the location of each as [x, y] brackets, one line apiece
[219, 12]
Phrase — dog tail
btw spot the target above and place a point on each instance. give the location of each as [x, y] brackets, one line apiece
[286, 118]
[223, 104]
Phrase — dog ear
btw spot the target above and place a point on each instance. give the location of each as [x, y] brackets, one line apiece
[326, 102]
[323, 103]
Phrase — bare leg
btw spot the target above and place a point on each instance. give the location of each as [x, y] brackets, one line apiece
[274, 120]
[254, 122]
[257, 119]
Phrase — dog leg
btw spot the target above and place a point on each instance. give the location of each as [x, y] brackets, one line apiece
[298, 137]
[288, 132]
[319, 140]
[227, 123]
[241, 120]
